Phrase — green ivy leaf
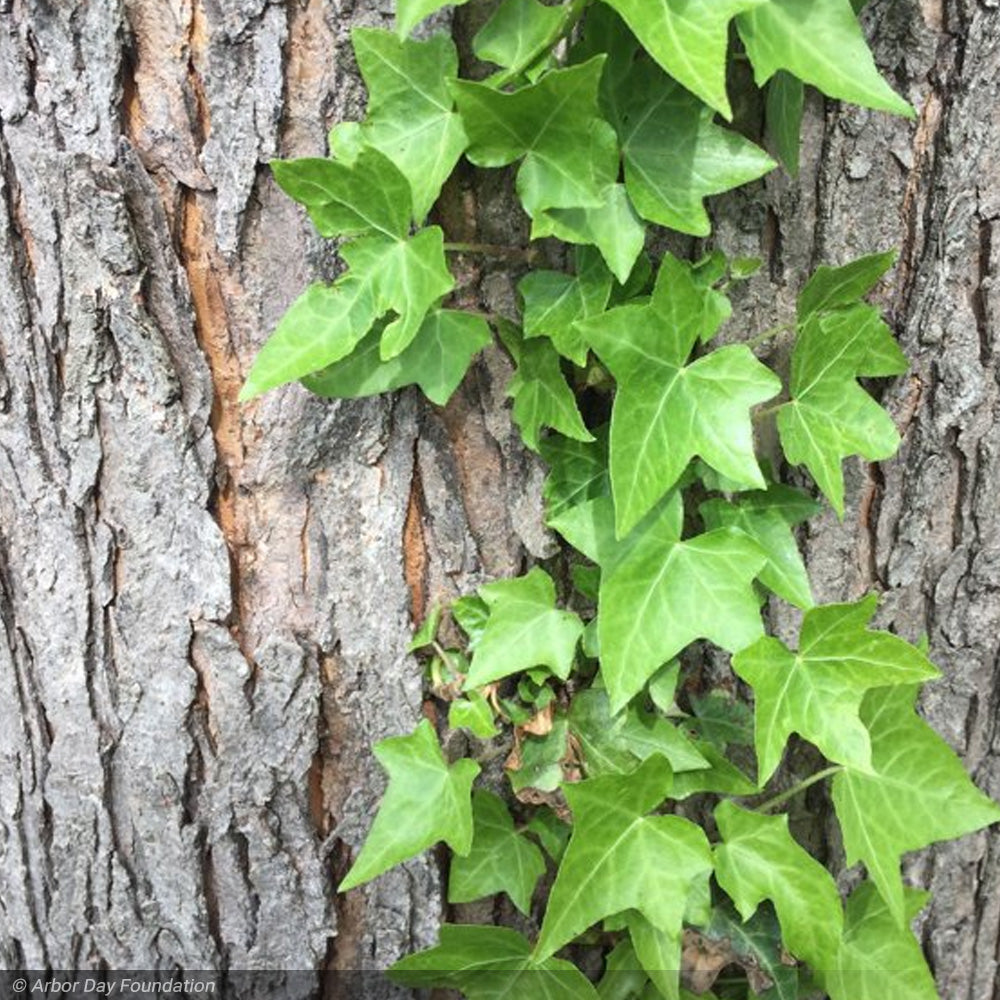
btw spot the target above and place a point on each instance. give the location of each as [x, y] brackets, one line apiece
[525, 629]
[689, 40]
[427, 633]
[612, 226]
[675, 155]
[491, 963]
[783, 118]
[327, 322]
[821, 43]
[659, 593]
[578, 472]
[517, 30]
[618, 744]
[667, 411]
[411, 116]
[829, 415]
[409, 276]
[539, 390]
[501, 860]
[659, 955]
[345, 199]
[818, 691]
[722, 720]
[878, 958]
[426, 801]
[916, 794]
[722, 777]
[472, 713]
[570, 153]
[436, 360]
[623, 977]
[837, 287]
[553, 302]
[620, 858]
[552, 833]
[768, 518]
[409, 13]
[756, 944]
[540, 763]
[757, 860]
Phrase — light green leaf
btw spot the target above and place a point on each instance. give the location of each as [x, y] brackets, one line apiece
[768, 518]
[689, 40]
[409, 277]
[620, 858]
[829, 415]
[570, 153]
[878, 958]
[667, 411]
[540, 760]
[472, 713]
[539, 390]
[916, 794]
[818, 691]
[426, 801]
[427, 633]
[525, 629]
[663, 688]
[491, 963]
[323, 325]
[436, 360]
[618, 744]
[783, 118]
[409, 13]
[659, 593]
[553, 302]
[501, 860]
[658, 952]
[675, 155]
[836, 287]
[821, 43]
[411, 116]
[517, 31]
[612, 226]
[757, 860]
[345, 199]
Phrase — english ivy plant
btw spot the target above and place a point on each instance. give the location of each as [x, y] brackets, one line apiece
[614, 117]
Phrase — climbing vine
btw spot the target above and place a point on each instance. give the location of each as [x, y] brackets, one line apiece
[645, 831]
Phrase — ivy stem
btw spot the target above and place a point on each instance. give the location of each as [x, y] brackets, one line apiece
[445, 658]
[770, 334]
[574, 11]
[800, 787]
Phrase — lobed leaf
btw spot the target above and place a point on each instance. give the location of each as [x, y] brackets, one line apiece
[426, 801]
[916, 793]
[501, 860]
[818, 691]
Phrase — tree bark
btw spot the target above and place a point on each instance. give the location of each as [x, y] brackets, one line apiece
[205, 606]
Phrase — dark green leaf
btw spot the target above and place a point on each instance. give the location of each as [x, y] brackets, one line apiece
[540, 763]
[517, 31]
[783, 117]
[836, 287]
[501, 860]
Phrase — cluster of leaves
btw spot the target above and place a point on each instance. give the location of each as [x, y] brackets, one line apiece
[609, 110]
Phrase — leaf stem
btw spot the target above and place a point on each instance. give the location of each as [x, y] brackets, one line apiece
[781, 799]
[574, 11]
[771, 333]
[445, 658]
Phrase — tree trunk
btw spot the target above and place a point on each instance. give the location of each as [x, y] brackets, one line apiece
[205, 606]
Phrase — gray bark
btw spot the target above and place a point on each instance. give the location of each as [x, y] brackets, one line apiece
[204, 607]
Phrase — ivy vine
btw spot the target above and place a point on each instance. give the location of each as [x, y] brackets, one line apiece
[679, 532]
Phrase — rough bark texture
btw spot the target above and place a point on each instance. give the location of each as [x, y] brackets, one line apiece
[204, 608]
